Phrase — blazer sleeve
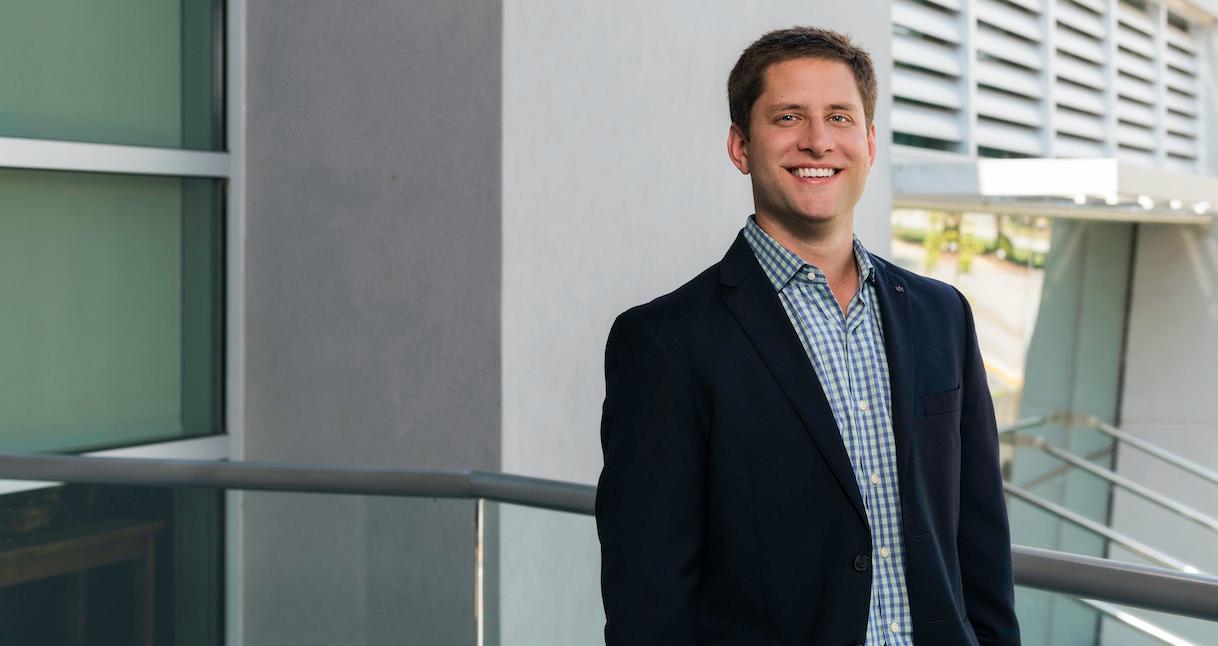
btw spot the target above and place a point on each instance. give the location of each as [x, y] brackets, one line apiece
[650, 500]
[983, 540]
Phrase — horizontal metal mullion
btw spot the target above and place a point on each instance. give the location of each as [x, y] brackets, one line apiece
[43, 154]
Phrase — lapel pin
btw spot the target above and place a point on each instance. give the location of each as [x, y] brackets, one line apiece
[900, 289]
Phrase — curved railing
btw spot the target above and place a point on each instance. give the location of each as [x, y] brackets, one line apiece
[1181, 593]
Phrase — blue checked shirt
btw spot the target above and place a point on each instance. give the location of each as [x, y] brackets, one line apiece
[847, 353]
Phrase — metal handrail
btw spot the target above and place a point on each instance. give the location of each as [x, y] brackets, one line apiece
[1151, 630]
[1152, 449]
[1155, 588]
[1170, 504]
[1027, 422]
[265, 476]
[1135, 546]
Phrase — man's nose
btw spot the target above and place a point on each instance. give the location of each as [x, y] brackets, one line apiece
[816, 138]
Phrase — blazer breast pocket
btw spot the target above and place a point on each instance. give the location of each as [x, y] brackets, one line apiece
[942, 402]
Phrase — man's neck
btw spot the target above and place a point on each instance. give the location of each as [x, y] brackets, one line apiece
[828, 247]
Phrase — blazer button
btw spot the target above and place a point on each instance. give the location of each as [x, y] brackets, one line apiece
[862, 562]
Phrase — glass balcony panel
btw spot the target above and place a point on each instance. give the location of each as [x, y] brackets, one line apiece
[344, 569]
[112, 288]
[85, 564]
[138, 72]
[544, 578]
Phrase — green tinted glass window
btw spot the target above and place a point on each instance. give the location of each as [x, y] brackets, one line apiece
[112, 288]
[138, 72]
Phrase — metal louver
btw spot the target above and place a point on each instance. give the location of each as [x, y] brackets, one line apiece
[1049, 78]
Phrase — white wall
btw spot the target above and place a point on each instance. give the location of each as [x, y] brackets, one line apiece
[616, 189]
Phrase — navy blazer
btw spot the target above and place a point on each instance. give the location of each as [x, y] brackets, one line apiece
[727, 509]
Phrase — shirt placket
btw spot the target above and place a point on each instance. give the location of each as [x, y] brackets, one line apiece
[861, 411]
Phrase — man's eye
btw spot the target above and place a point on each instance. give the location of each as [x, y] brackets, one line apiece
[787, 117]
[844, 118]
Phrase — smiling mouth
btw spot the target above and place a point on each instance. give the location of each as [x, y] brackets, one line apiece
[814, 175]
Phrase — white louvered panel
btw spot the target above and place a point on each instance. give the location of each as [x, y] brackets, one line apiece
[1175, 163]
[1079, 98]
[1181, 61]
[1134, 89]
[1143, 115]
[1030, 5]
[1080, 72]
[1016, 50]
[1181, 82]
[1079, 45]
[1135, 65]
[923, 53]
[992, 134]
[1135, 41]
[1181, 125]
[1183, 146]
[927, 88]
[925, 122]
[1080, 19]
[1138, 157]
[1181, 39]
[1184, 104]
[1010, 19]
[925, 20]
[1134, 136]
[1000, 106]
[1135, 18]
[1005, 77]
[1071, 147]
[954, 5]
[1098, 6]
[1079, 125]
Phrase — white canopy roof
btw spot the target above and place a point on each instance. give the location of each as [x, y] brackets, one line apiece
[1104, 189]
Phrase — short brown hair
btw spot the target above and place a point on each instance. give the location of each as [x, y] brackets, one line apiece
[747, 80]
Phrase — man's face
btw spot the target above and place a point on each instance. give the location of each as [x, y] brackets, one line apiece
[808, 118]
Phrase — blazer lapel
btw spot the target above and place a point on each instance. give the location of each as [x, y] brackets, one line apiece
[754, 303]
[893, 295]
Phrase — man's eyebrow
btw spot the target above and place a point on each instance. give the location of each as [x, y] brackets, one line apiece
[848, 107]
[799, 107]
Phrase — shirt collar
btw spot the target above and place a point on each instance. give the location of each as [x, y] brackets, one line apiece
[781, 264]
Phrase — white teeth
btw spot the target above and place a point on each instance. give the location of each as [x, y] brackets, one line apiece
[814, 172]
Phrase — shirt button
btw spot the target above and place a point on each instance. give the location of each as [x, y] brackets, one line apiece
[875, 478]
[811, 275]
[895, 627]
[885, 552]
[863, 405]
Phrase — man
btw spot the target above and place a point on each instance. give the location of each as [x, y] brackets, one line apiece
[799, 443]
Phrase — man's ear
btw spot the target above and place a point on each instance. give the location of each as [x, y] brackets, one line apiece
[738, 148]
[871, 144]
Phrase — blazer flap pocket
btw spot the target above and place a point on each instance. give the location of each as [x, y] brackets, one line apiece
[942, 402]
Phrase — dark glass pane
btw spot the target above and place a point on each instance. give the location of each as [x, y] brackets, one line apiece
[85, 564]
